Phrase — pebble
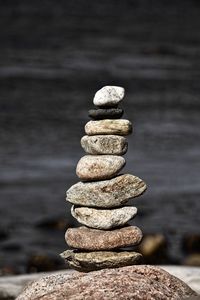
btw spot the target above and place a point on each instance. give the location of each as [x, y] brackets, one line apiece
[95, 239]
[109, 96]
[106, 193]
[191, 243]
[155, 250]
[103, 218]
[108, 126]
[103, 113]
[153, 245]
[132, 282]
[104, 144]
[192, 260]
[99, 167]
[97, 260]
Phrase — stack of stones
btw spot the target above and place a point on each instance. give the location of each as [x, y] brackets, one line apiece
[98, 199]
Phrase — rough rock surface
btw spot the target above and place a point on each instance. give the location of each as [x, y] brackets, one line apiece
[103, 113]
[91, 261]
[95, 239]
[109, 96]
[103, 218]
[109, 126]
[104, 144]
[132, 282]
[97, 167]
[106, 193]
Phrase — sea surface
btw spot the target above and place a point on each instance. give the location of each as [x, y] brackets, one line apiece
[53, 57]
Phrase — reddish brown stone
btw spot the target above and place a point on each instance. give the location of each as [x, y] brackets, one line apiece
[134, 282]
[95, 239]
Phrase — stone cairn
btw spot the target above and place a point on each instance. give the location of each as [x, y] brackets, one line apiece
[99, 198]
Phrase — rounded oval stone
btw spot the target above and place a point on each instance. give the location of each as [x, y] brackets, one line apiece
[97, 260]
[103, 218]
[104, 144]
[109, 126]
[97, 167]
[95, 240]
[103, 113]
[109, 96]
[131, 282]
[107, 193]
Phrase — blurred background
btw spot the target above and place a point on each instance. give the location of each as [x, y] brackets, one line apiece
[54, 55]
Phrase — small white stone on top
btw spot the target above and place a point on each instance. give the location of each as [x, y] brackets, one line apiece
[109, 96]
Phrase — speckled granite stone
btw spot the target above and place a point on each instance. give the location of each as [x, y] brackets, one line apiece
[104, 144]
[106, 193]
[132, 282]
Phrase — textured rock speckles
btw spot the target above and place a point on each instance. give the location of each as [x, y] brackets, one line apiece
[98, 167]
[104, 144]
[103, 218]
[106, 193]
[96, 240]
[109, 126]
[109, 96]
[90, 261]
[132, 282]
[105, 113]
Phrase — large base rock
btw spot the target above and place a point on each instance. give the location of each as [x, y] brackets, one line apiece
[133, 282]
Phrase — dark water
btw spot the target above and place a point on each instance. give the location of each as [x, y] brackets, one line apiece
[53, 57]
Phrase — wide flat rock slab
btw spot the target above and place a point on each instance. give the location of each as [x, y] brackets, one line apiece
[94, 239]
[104, 144]
[132, 282]
[97, 260]
[109, 126]
[99, 167]
[103, 218]
[107, 193]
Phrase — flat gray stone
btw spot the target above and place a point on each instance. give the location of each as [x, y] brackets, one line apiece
[132, 282]
[98, 167]
[109, 126]
[103, 218]
[104, 144]
[97, 260]
[109, 96]
[96, 240]
[107, 193]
